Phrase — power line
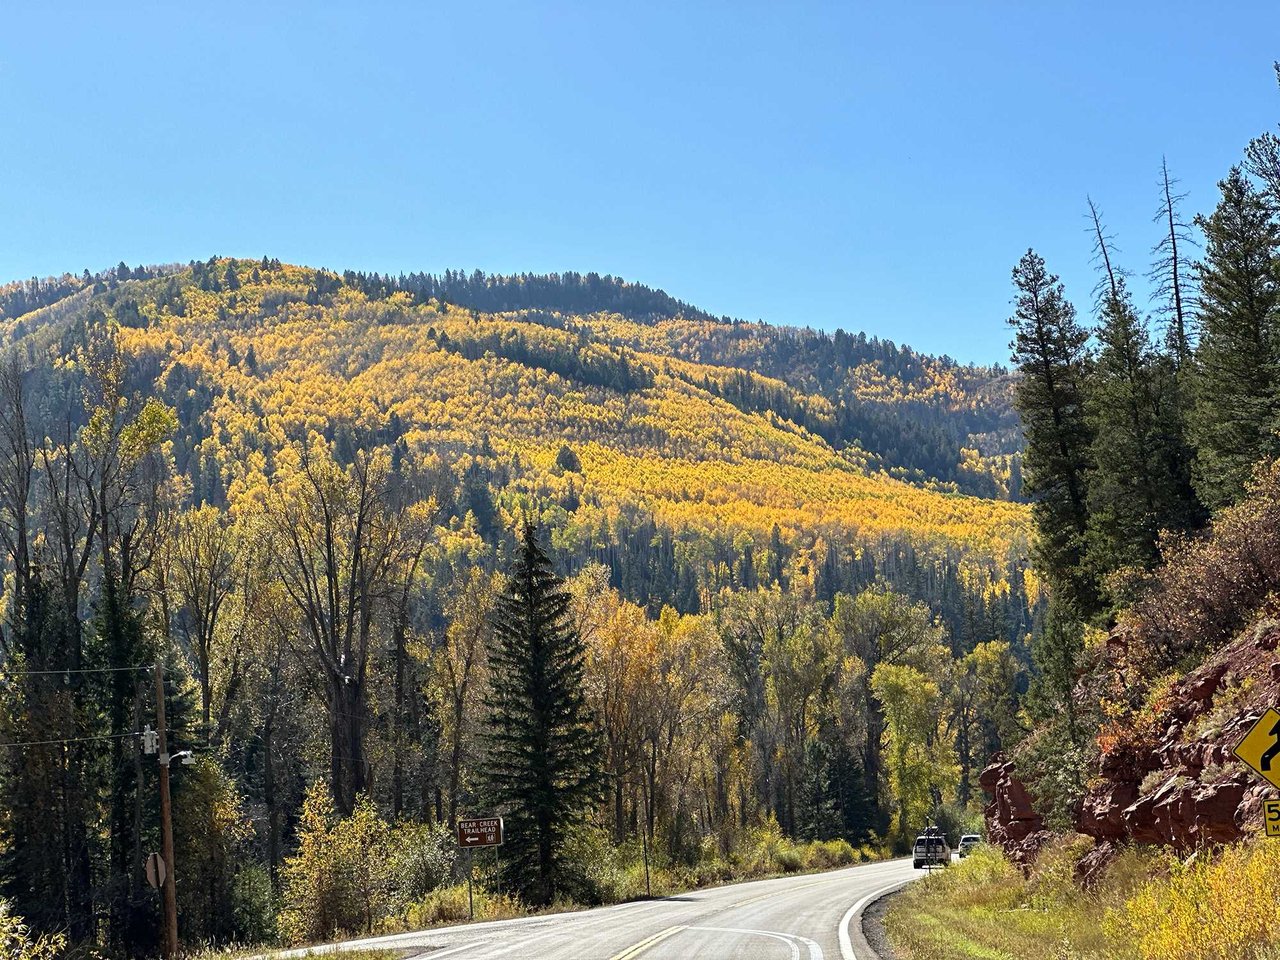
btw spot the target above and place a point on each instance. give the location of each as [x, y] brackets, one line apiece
[49, 743]
[48, 673]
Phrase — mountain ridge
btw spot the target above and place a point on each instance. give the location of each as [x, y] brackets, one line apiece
[951, 422]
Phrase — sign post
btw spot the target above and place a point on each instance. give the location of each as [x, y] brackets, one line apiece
[477, 832]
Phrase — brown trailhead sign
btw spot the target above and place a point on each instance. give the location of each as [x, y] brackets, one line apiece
[480, 832]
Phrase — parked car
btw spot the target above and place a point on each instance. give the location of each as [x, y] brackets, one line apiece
[967, 843]
[930, 850]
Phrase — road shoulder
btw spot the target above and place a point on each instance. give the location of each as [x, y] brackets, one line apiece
[873, 932]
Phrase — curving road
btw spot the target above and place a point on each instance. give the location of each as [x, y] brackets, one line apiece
[814, 917]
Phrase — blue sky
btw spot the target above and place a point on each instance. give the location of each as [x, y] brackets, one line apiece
[873, 166]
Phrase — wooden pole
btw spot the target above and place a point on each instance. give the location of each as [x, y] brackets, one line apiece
[471, 902]
[166, 826]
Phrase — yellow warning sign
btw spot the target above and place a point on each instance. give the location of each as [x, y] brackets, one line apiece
[1260, 747]
[1271, 817]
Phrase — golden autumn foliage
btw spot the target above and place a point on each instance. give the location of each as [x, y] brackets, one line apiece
[274, 360]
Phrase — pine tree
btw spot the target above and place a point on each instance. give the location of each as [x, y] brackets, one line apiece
[1139, 481]
[1262, 158]
[543, 760]
[1049, 348]
[1236, 408]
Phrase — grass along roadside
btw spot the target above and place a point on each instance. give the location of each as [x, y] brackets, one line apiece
[609, 875]
[1148, 906]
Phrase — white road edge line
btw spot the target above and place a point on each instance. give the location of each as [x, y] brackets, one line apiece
[436, 954]
[846, 945]
[792, 940]
[326, 949]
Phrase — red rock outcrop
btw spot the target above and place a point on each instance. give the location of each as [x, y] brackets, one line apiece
[1196, 792]
[1011, 818]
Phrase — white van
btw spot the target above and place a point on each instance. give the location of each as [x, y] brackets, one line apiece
[930, 850]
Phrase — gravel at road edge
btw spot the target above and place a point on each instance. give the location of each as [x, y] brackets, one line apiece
[873, 927]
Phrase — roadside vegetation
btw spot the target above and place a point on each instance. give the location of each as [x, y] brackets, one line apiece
[1149, 905]
[359, 875]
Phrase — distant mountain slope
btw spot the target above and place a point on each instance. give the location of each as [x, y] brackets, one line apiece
[921, 417]
[732, 446]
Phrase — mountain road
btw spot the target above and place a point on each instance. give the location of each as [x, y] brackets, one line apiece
[809, 917]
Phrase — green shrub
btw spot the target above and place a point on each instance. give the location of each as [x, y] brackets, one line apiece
[827, 854]
[253, 905]
[338, 881]
[789, 858]
[594, 866]
[422, 858]
[449, 905]
[354, 874]
[16, 942]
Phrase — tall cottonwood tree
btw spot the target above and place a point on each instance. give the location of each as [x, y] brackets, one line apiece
[1236, 411]
[460, 673]
[881, 626]
[344, 547]
[202, 574]
[542, 761]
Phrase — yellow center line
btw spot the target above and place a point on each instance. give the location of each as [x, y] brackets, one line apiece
[638, 948]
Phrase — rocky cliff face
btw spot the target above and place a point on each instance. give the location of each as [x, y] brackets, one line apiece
[1171, 779]
[1012, 822]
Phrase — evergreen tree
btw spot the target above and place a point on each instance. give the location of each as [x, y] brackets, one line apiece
[1236, 409]
[1263, 158]
[543, 768]
[1139, 481]
[1049, 348]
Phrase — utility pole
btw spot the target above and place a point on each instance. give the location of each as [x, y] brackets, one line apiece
[166, 826]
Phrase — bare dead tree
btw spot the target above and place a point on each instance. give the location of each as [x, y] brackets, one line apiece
[1262, 158]
[1173, 282]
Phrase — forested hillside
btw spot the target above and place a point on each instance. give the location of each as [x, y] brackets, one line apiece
[605, 426]
[304, 493]
[1153, 465]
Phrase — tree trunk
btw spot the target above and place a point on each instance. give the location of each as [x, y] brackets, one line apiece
[619, 826]
[337, 746]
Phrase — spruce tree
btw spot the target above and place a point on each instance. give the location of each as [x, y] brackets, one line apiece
[543, 760]
[1049, 350]
[1139, 480]
[1236, 406]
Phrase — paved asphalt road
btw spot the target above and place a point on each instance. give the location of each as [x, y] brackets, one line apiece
[814, 917]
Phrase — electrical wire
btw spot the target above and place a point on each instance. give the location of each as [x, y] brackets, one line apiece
[48, 673]
[49, 743]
